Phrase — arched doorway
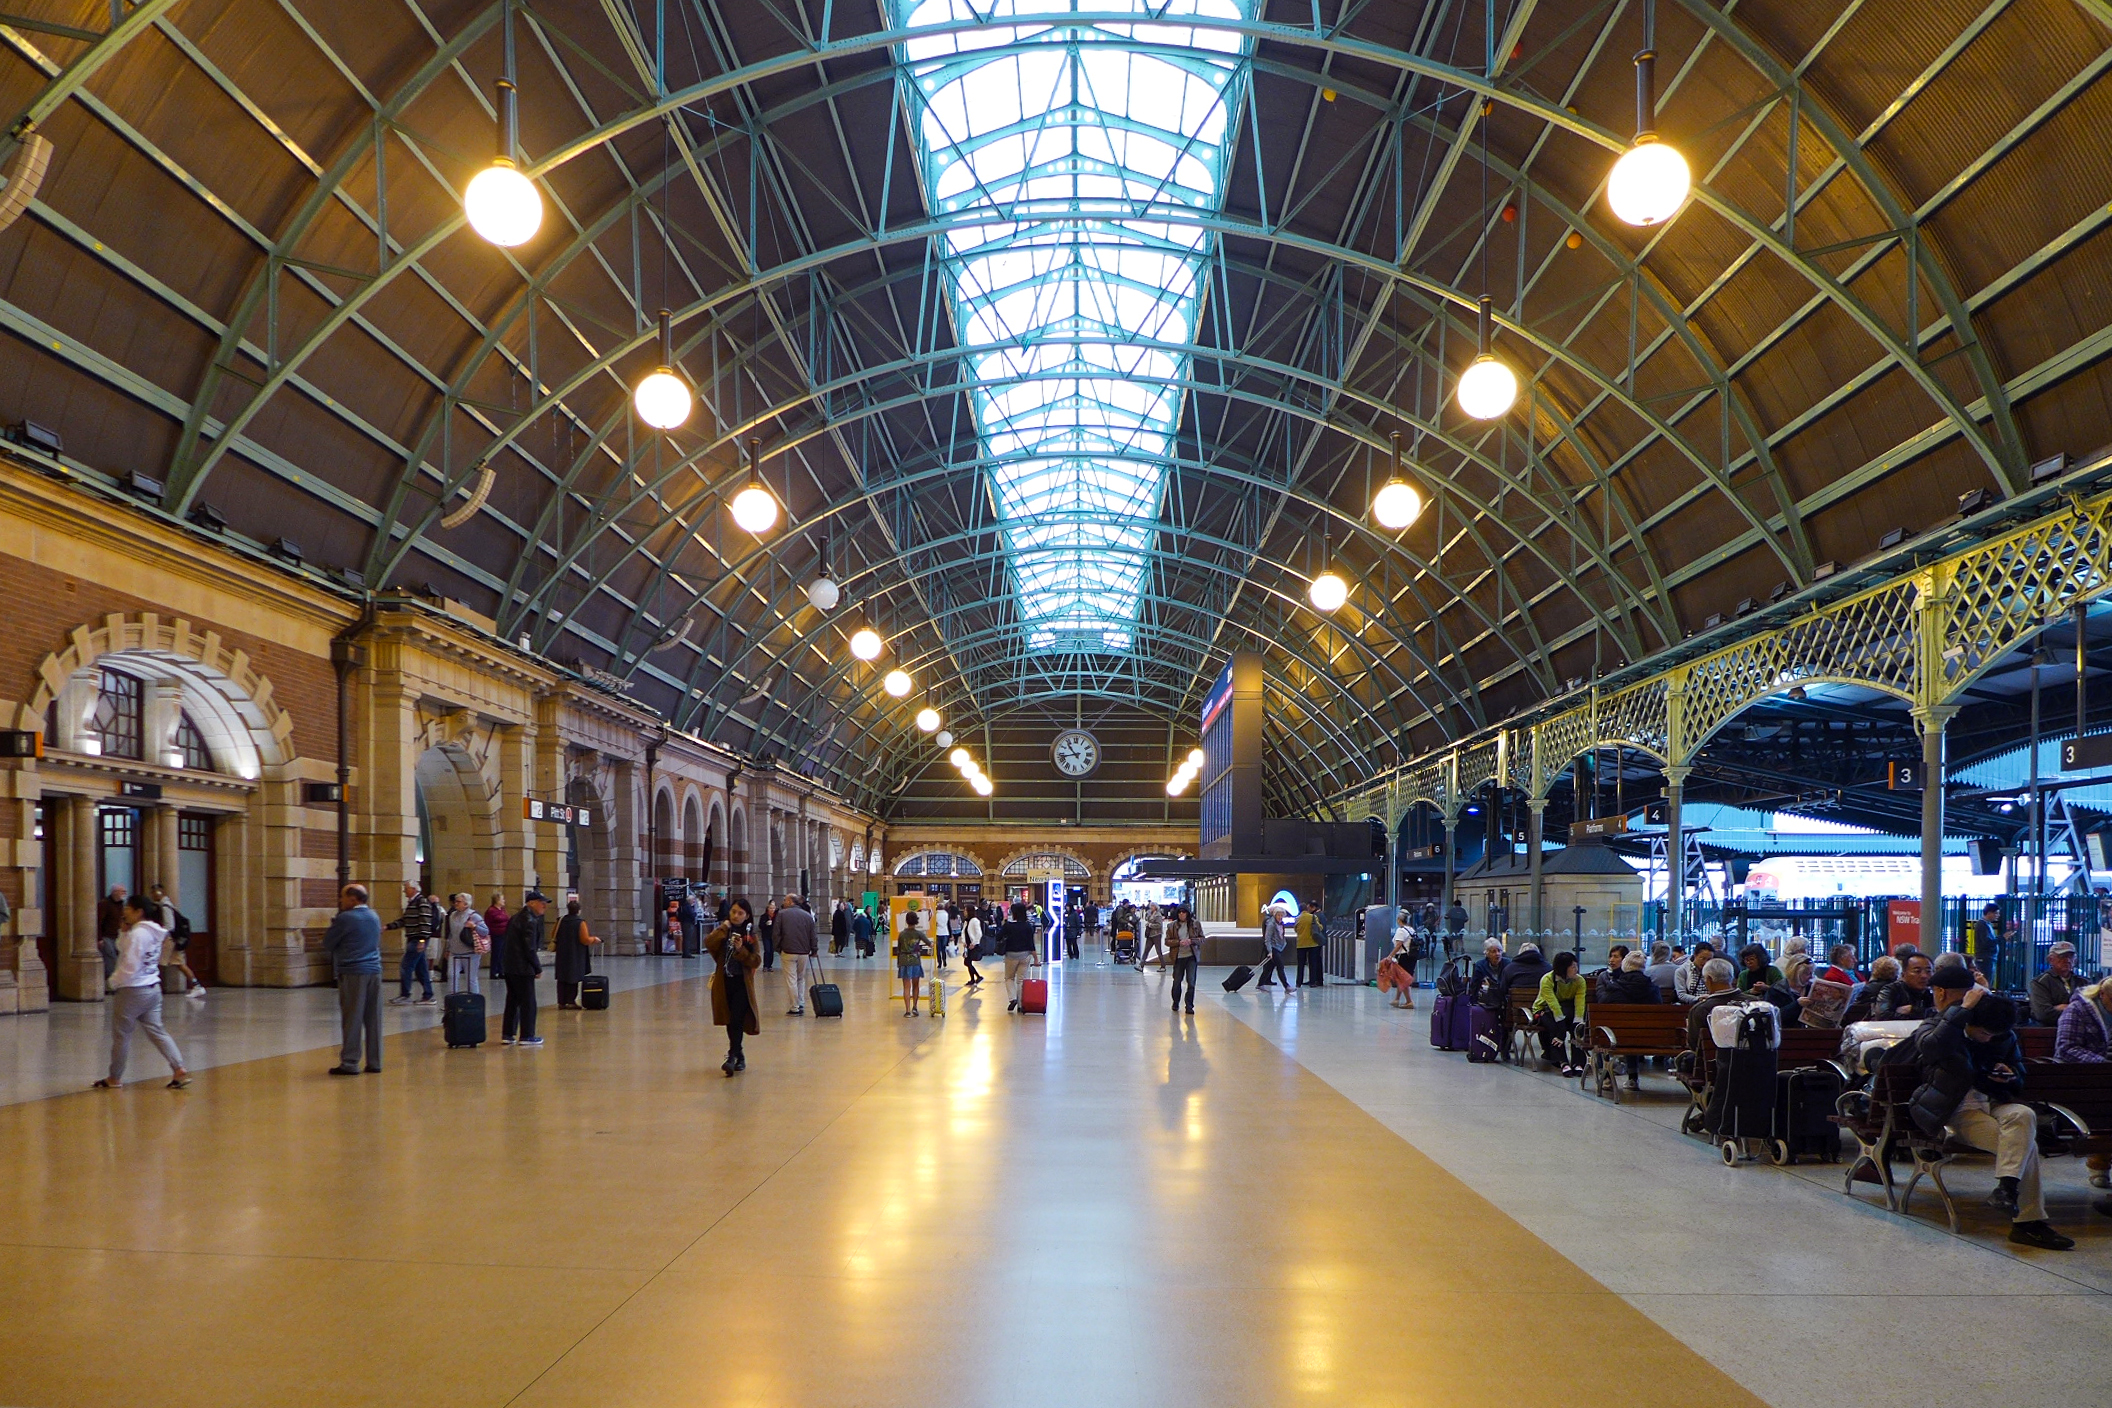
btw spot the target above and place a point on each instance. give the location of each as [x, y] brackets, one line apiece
[692, 839]
[737, 852]
[664, 840]
[457, 826]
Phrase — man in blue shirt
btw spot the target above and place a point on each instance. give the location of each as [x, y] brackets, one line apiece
[354, 946]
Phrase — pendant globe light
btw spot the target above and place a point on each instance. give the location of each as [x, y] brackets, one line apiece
[1398, 503]
[823, 593]
[1650, 182]
[755, 508]
[1327, 591]
[500, 203]
[928, 720]
[898, 683]
[945, 739]
[662, 398]
[958, 757]
[866, 643]
[1488, 387]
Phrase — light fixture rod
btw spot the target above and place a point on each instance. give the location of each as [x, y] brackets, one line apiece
[1646, 75]
[505, 103]
[509, 113]
[1487, 304]
[667, 338]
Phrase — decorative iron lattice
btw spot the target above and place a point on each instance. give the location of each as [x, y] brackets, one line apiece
[1867, 640]
[1426, 781]
[1638, 717]
[1518, 759]
[1561, 738]
[1477, 765]
[2002, 591]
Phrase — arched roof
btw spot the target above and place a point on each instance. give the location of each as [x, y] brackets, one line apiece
[1073, 386]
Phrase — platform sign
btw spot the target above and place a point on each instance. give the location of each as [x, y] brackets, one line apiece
[1588, 827]
[2083, 754]
[1902, 924]
[562, 813]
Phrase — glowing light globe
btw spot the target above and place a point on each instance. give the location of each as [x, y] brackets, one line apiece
[1649, 183]
[1488, 388]
[1328, 591]
[897, 683]
[1397, 505]
[1175, 785]
[1195, 758]
[945, 738]
[663, 400]
[866, 643]
[503, 205]
[824, 594]
[959, 757]
[755, 510]
[983, 786]
[928, 720]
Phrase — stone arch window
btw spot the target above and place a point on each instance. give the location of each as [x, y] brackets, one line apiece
[118, 723]
[187, 749]
[939, 864]
[1073, 869]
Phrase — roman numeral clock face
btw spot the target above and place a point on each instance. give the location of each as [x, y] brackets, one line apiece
[1076, 752]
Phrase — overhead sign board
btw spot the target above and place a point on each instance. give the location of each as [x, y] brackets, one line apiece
[2083, 754]
[564, 814]
[1599, 826]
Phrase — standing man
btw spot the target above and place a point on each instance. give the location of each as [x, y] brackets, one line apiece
[420, 923]
[354, 946]
[1309, 972]
[862, 932]
[798, 942]
[521, 966]
[1455, 926]
[109, 922]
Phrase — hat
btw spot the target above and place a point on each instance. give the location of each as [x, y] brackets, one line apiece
[1993, 1013]
[533, 895]
[1952, 975]
[2062, 947]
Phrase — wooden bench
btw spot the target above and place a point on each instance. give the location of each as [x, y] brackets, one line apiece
[1630, 1029]
[1520, 1025]
[1802, 1047]
[2035, 1042]
[2074, 1101]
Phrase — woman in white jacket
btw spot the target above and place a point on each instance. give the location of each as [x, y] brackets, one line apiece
[135, 996]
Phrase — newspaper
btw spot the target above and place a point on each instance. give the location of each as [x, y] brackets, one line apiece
[1825, 1003]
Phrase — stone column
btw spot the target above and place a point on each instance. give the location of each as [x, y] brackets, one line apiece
[80, 962]
[626, 916]
[1933, 722]
[167, 868]
[1538, 805]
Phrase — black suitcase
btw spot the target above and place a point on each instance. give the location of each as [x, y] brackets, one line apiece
[462, 1019]
[1239, 978]
[1804, 1104]
[827, 999]
[594, 993]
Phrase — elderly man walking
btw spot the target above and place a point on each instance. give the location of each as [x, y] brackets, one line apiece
[354, 946]
[797, 941]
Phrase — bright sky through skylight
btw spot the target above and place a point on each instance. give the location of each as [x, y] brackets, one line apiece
[1054, 139]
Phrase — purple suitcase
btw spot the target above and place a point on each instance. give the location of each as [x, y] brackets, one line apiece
[1484, 1040]
[1441, 1024]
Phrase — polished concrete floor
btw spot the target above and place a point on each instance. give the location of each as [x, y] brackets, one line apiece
[1277, 1200]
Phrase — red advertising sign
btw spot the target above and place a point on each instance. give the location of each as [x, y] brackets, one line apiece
[1902, 924]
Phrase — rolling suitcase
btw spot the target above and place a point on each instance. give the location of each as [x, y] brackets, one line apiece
[594, 993]
[1239, 978]
[1450, 1020]
[1034, 995]
[462, 1019]
[1484, 1037]
[825, 996]
[1804, 1104]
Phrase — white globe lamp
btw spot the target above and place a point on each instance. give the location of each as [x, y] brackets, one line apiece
[983, 786]
[663, 400]
[755, 510]
[1487, 389]
[959, 758]
[897, 683]
[866, 643]
[1649, 183]
[945, 738]
[503, 205]
[824, 594]
[928, 720]
[1396, 505]
[1327, 591]
[1195, 758]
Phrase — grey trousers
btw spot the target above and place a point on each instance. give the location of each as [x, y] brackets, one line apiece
[138, 1007]
[359, 1008]
[462, 972]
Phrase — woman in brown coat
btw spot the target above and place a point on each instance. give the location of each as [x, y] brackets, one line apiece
[736, 949]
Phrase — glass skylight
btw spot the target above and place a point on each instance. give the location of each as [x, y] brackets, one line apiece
[1050, 136]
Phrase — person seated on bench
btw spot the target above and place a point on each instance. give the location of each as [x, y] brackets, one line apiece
[1686, 980]
[1630, 986]
[1485, 983]
[2054, 990]
[1796, 964]
[1840, 966]
[1909, 997]
[2085, 1034]
[1884, 972]
[1755, 969]
[1614, 955]
[1524, 971]
[1972, 1074]
[1661, 970]
[1558, 1011]
[1716, 990]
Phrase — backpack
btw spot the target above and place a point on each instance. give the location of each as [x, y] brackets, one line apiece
[1745, 1026]
[181, 930]
[1453, 980]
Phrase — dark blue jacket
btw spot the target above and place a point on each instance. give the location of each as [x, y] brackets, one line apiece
[354, 941]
